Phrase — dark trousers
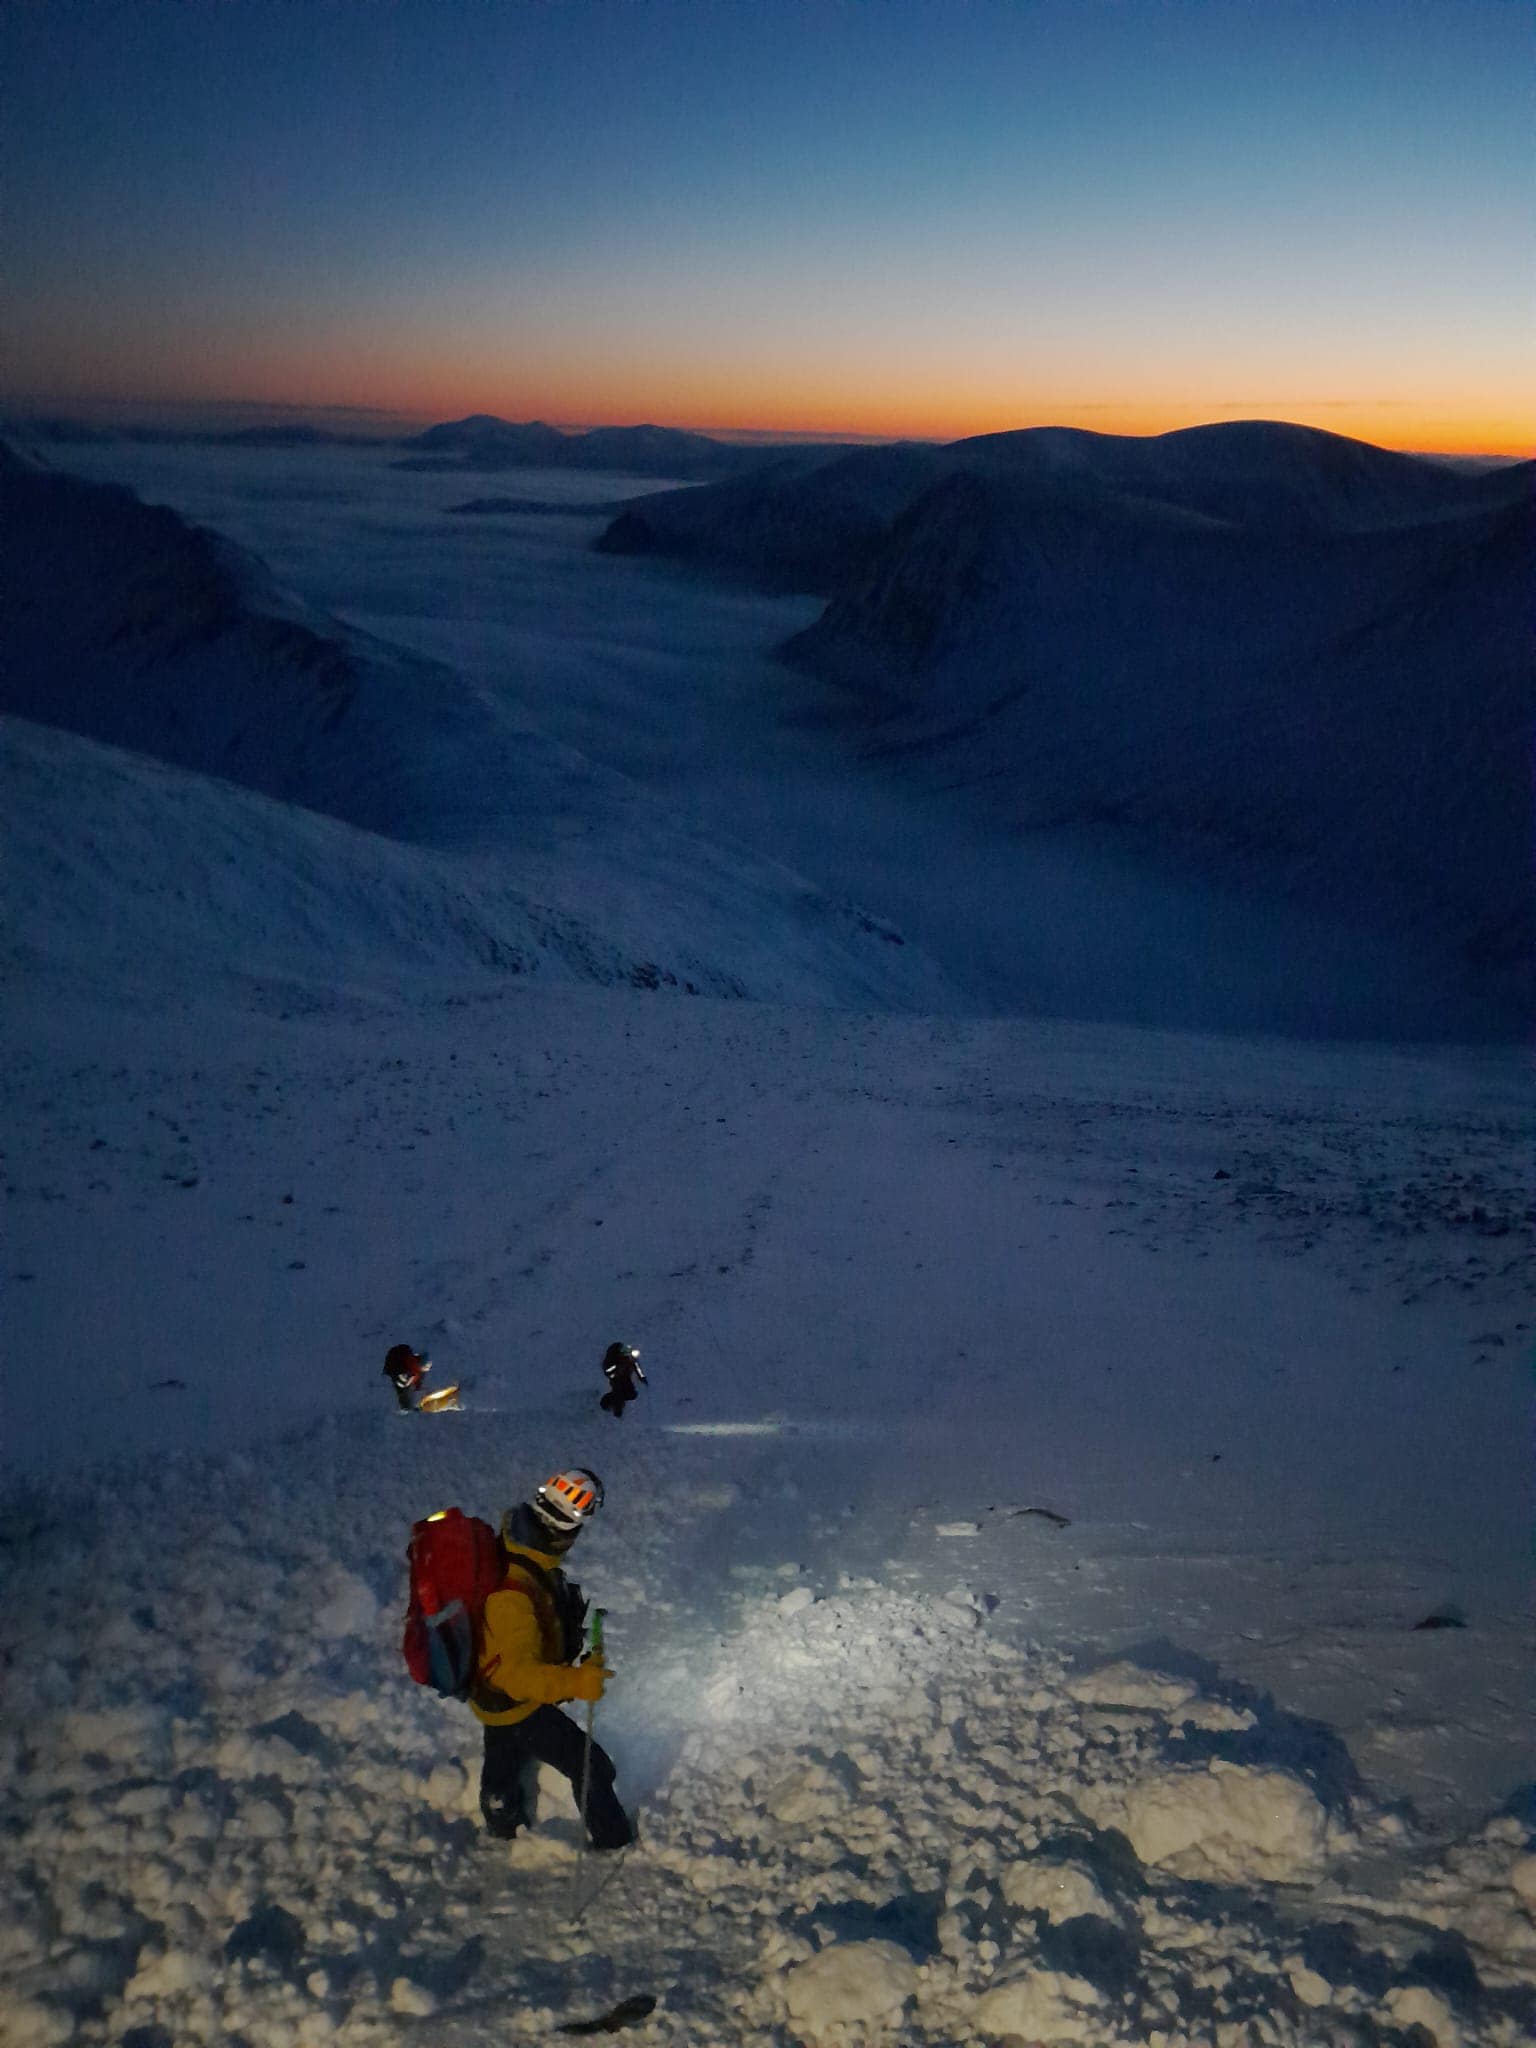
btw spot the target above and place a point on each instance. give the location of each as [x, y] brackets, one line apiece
[617, 1399]
[548, 1737]
[403, 1395]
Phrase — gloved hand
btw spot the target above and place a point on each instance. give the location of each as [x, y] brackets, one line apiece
[588, 1680]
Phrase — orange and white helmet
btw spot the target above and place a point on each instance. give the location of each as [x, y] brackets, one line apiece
[569, 1500]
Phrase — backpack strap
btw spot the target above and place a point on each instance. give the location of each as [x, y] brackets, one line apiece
[523, 1576]
[544, 1596]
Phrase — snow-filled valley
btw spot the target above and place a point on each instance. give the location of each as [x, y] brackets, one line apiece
[1068, 1575]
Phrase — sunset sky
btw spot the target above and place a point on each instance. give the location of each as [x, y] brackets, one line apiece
[887, 217]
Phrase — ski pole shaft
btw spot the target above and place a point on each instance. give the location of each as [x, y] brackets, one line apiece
[596, 1640]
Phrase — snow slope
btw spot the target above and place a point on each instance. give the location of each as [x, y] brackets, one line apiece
[1353, 711]
[1058, 1434]
[502, 851]
[1181, 1765]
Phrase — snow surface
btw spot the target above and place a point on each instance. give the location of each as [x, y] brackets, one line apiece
[1056, 1434]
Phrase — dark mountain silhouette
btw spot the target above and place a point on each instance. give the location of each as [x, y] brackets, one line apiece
[811, 520]
[483, 442]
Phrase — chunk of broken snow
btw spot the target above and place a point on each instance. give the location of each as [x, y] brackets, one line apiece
[263, 1820]
[350, 1609]
[162, 1973]
[1218, 1716]
[852, 1981]
[957, 1528]
[1413, 2006]
[132, 1736]
[796, 1602]
[1127, 1685]
[1041, 2005]
[447, 1787]
[809, 1795]
[413, 1999]
[1226, 1823]
[1522, 1879]
[29, 2023]
[961, 1607]
[1309, 1987]
[1062, 1891]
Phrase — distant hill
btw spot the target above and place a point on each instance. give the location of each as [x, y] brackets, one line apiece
[799, 520]
[814, 518]
[483, 442]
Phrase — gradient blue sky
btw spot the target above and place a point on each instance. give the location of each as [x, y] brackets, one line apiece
[882, 216]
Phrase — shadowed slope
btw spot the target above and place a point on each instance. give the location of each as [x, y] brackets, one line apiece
[1353, 710]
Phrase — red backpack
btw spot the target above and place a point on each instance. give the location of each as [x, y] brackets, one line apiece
[456, 1564]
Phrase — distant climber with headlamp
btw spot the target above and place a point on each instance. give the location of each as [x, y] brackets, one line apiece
[621, 1369]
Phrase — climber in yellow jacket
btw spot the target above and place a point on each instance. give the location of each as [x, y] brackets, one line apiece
[530, 1661]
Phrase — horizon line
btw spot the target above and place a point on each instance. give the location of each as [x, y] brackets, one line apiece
[303, 412]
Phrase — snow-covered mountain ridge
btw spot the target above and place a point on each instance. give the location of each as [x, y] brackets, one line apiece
[1272, 652]
[1353, 710]
[499, 850]
[809, 522]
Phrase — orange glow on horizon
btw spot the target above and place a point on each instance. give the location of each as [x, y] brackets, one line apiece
[829, 395]
[1440, 429]
[711, 405]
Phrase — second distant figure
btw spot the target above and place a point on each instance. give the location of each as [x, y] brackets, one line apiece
[621, 1369]
[405, 1370]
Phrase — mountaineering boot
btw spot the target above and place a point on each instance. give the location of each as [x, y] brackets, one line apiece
[503, 1816]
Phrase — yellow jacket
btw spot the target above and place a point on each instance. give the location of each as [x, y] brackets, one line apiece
[521, 1663]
